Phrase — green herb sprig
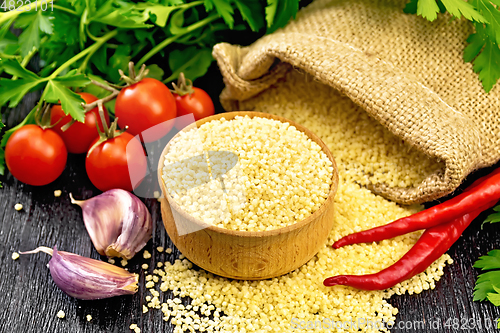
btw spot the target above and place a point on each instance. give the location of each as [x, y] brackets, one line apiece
[488, 284]
[483, 51]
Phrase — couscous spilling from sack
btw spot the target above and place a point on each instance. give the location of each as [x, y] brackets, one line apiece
[260, 174]
[298, 301]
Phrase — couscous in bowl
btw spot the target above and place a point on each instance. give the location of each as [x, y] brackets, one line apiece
[251, 255]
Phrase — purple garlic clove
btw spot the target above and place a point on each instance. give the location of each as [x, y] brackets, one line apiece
[86, 278]
[119, 224]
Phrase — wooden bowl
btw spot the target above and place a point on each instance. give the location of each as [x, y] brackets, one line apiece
[244, 254]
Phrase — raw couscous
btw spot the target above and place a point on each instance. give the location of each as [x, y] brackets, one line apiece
[365, 152]
[60, 314]
[280, 176]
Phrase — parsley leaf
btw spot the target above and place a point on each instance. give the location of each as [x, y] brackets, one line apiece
[223, 8]
[491, 14]
[100, 59]
[279, 12]
[158, 13]
[72, 79]
[411, 7]
[120, 14]
[14, 91]
[119, 60]
[484, 53]
[491, 261]
[494, 297]
[193, 62]
[56, 92]
[251, 12]
[66, 28]
[428, 9]
[155, 72]
[13, 67]
[495, 217]
[487, 282]
[30, 37]
[458, 8]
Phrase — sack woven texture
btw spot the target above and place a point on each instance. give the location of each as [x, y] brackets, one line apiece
[406, 72]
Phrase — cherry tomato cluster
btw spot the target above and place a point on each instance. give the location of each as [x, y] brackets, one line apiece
[146, 109]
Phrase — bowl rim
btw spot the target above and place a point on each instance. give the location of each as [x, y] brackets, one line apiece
[241, 233]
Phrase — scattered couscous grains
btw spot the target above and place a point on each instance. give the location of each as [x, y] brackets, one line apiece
[124, 262]
[146, 255]
[168, 251]
[135, 328]
[159, 264]
[156, 194]
[57, 193]
[18, 206]
[159, 249]
[144, 309]
[60, 314]
[15, 255]
[111, 261]
[145, 266]
[89, 317]
[269, 168]
[365, 152]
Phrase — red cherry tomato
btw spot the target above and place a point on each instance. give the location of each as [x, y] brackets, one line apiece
[35, 156]
[198, 103]
[144, 105]
[119, 162]
[78, 136]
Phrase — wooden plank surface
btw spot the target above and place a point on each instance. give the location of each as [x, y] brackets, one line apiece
[30, 300]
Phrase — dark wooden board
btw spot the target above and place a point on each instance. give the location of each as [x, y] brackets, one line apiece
[30, 300]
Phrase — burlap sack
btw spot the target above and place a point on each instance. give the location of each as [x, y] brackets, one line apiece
[406, 72]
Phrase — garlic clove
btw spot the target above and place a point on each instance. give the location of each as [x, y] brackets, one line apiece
[118, 223]
[86, 278]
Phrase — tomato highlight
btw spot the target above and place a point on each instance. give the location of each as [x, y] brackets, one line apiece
[115, 162]
[35, 156]
[147, 104]
[198, 103]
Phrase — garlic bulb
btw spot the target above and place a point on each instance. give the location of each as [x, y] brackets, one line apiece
[118, 223]
[86, 278]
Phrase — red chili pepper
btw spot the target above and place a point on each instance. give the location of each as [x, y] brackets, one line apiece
[484, 189]
[433, 243]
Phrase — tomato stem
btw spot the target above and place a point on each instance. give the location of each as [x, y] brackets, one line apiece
[42, 116]
[108, 132]
[114, 93]
[132, 78]
[183, 87]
